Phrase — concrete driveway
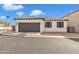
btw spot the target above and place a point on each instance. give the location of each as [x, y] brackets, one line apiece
[38, 45]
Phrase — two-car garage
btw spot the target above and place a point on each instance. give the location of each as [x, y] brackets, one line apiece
[26, 24]
[29, 27]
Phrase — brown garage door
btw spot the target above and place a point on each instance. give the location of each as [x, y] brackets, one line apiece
[29, 27]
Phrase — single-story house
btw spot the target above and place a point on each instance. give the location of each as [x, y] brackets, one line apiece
[5, 26]
[39, 24]
[73, 23]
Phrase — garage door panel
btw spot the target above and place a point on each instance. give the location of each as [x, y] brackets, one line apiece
[29, 27]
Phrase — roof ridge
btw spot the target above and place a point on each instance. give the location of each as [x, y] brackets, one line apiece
[70, 13]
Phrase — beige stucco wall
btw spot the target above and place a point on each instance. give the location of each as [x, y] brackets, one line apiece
[54, 27]
[5, 29]
[73, 20]
[42, 25]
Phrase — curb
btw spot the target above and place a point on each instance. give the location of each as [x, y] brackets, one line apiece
[7, 35]
[29, 36]
[39, 36]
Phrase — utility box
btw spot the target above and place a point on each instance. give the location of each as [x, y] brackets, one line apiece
[70, 29]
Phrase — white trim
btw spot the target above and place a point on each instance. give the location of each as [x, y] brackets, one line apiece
[16, 28]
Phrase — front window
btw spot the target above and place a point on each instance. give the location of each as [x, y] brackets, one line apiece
[48, 24]
[60, 24]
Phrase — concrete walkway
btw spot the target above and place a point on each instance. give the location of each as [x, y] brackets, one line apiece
[66, 35]
[51, 35]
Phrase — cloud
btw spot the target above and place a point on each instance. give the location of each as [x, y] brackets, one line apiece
[12, 7]
[19, 13]
[36, 12]
[71, 11]
[3, 17]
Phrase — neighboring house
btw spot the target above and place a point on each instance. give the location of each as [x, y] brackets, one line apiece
[4, 26]
[38, 24]
[73, 22]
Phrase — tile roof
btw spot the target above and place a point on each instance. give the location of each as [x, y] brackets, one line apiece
[43, 18]
[55, 19]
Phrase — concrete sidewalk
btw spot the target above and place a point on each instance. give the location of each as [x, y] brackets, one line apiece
[66, 35]
[51, 35]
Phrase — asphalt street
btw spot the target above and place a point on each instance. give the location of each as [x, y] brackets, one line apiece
[38, 45]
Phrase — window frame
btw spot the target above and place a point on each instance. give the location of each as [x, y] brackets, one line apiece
[60, 24]
[48, 25]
